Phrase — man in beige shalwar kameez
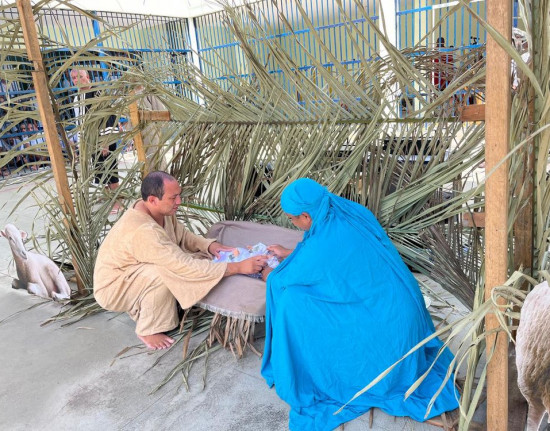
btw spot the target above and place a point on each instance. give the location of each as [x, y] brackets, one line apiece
[148, 261]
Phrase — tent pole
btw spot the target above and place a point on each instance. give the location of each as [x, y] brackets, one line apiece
[47, 117]
[138, 137]
[497, 137]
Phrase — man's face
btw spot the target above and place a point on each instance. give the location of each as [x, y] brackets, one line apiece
[171, 199]
[28, 127]
[80, 78]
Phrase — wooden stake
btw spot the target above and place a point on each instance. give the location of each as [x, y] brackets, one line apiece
[497, 132]
[138, 138]
[47, 117]
[523, 226]
[523, 256]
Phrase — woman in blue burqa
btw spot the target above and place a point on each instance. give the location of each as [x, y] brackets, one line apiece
[341, 308]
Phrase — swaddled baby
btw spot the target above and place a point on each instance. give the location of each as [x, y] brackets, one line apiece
[241, 253]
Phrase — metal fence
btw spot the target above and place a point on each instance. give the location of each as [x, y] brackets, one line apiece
[448, 31]
[222, 57]
[424, 22]
[158, 44]
[162, 45]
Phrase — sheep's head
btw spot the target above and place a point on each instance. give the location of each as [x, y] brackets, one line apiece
[15, 237]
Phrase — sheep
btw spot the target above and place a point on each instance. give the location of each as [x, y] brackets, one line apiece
[533, 354]
[36, 273]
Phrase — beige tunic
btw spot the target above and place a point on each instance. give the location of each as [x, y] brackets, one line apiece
[143, 269]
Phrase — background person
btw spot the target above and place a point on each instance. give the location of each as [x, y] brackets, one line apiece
[106, 167]
[29, 128]
[443, 65]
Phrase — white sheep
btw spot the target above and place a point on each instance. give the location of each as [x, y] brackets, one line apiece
[533, 354]
[36, 273]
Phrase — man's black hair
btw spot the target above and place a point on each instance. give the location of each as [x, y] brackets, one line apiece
[153, 184]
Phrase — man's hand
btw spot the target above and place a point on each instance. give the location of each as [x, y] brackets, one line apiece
[279, 251]
[216, 247]
[252, 265]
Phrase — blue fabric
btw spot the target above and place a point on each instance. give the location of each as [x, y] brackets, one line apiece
[340, 310]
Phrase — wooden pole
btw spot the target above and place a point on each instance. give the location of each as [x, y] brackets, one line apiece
[497, 136]
[47, 117]
[523, 256]
[523, 227]
[138, 138]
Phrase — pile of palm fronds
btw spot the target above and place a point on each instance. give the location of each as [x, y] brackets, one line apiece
[234, 147]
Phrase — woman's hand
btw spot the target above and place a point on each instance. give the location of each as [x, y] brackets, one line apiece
[265, 272]
[215, 248]
[279, 251]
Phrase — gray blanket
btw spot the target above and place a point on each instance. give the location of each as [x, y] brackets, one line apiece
[241, 296]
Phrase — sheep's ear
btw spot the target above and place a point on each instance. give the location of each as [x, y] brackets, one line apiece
[24, 235]
[3, 232]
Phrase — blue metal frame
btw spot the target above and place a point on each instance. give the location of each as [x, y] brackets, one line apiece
[218, 51]
[460, 29]
[152, 40]
[410, 17]
[161, 41]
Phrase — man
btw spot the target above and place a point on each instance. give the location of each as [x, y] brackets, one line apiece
[81, 79]
[443, 64]
[148, 261]
[29, 129]
[520, 46]
[13, 143]
[8, 90]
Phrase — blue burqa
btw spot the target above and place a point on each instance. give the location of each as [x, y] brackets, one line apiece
[341, 309]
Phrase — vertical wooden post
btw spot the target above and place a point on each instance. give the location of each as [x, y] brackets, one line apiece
[523, 256]
[497, 136]
[138, 138]
[47, 117]
[523, 227]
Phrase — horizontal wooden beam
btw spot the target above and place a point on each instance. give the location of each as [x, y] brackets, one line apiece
[166, 116]
[475, 219]
[155, 116]
[472, 113]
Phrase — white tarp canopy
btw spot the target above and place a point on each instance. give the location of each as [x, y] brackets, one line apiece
[173, 8]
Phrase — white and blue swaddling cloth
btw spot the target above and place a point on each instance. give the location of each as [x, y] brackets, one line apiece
[239, 254]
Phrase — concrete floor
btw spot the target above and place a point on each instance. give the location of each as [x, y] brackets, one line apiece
[64, 378]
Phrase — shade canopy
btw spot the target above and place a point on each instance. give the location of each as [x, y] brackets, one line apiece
[174, 8]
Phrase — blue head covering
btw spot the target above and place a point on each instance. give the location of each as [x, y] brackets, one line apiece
[303, 195]
[340, 310]
[306, 195]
